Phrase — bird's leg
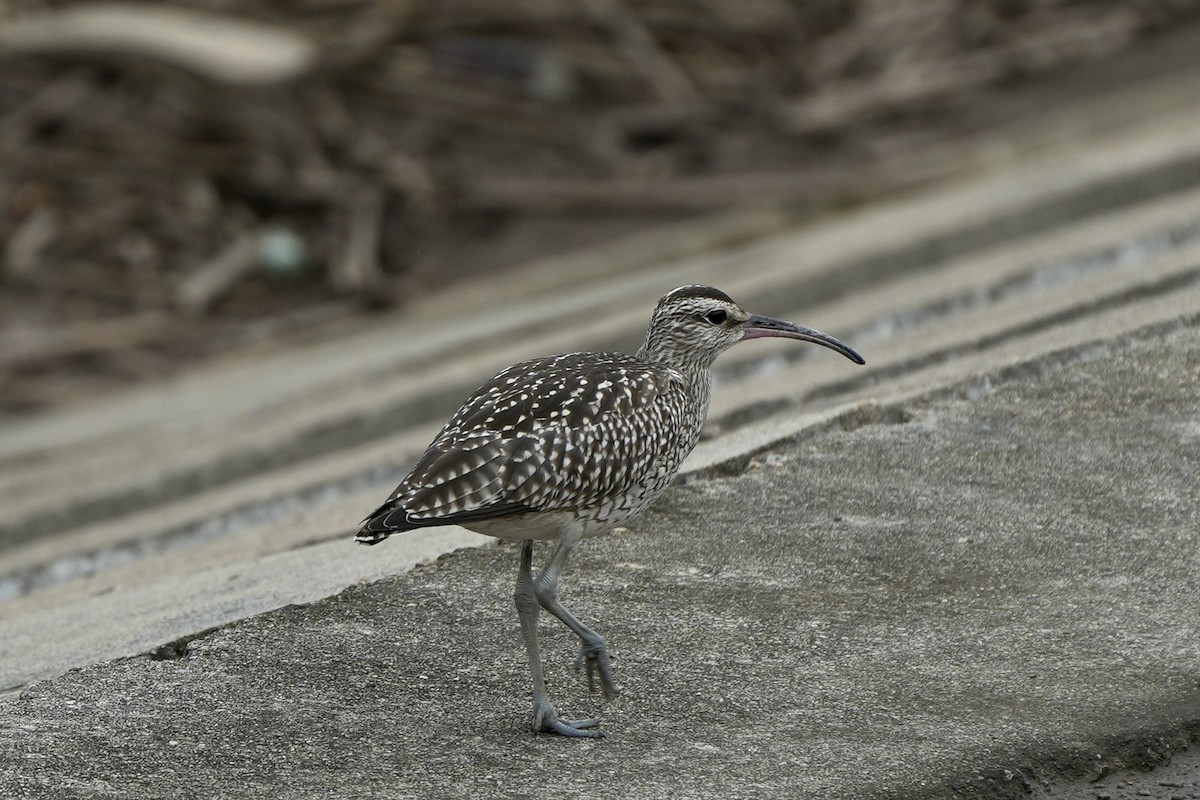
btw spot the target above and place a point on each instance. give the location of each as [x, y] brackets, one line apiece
[545, 718]
[593, 653]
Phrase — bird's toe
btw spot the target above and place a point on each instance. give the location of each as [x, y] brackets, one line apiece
[545, 720]
[598, 662]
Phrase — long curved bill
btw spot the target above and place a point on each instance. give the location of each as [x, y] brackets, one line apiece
[758, 327]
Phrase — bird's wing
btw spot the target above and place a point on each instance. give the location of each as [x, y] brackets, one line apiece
[547, 435]
[449, 487]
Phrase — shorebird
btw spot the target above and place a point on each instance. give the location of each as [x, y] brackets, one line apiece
[570, 446]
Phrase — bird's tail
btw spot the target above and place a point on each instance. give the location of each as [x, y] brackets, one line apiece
[366, 536]
[381, 523]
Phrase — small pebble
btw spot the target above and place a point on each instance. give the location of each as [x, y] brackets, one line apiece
[282, 252]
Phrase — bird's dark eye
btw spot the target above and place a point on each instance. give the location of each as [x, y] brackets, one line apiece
[716, 317]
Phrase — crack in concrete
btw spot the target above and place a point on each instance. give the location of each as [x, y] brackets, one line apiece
[181, 648]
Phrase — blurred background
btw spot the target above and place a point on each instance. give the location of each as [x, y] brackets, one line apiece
[184, 179]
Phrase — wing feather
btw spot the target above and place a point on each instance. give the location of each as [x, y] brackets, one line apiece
[548, 435]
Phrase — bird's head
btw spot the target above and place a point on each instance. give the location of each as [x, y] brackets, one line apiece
[692, 325]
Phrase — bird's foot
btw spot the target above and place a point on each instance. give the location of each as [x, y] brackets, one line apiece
[545, 720]
[594, 656]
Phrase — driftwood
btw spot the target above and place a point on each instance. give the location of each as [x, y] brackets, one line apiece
[357, 269]
[31, 236]
[213, 278]
[217, 47]
[638, 45]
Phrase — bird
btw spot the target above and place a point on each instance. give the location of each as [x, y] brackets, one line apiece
[567, 447]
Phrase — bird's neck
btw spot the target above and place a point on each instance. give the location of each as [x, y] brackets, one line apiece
[700, 389]
[696, 369]
[660, 348]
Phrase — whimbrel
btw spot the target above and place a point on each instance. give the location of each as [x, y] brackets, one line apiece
[570, 446]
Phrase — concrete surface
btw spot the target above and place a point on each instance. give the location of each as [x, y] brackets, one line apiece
[993, 586]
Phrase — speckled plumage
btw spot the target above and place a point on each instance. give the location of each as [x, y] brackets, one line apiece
[587, 438]
[573, 445]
